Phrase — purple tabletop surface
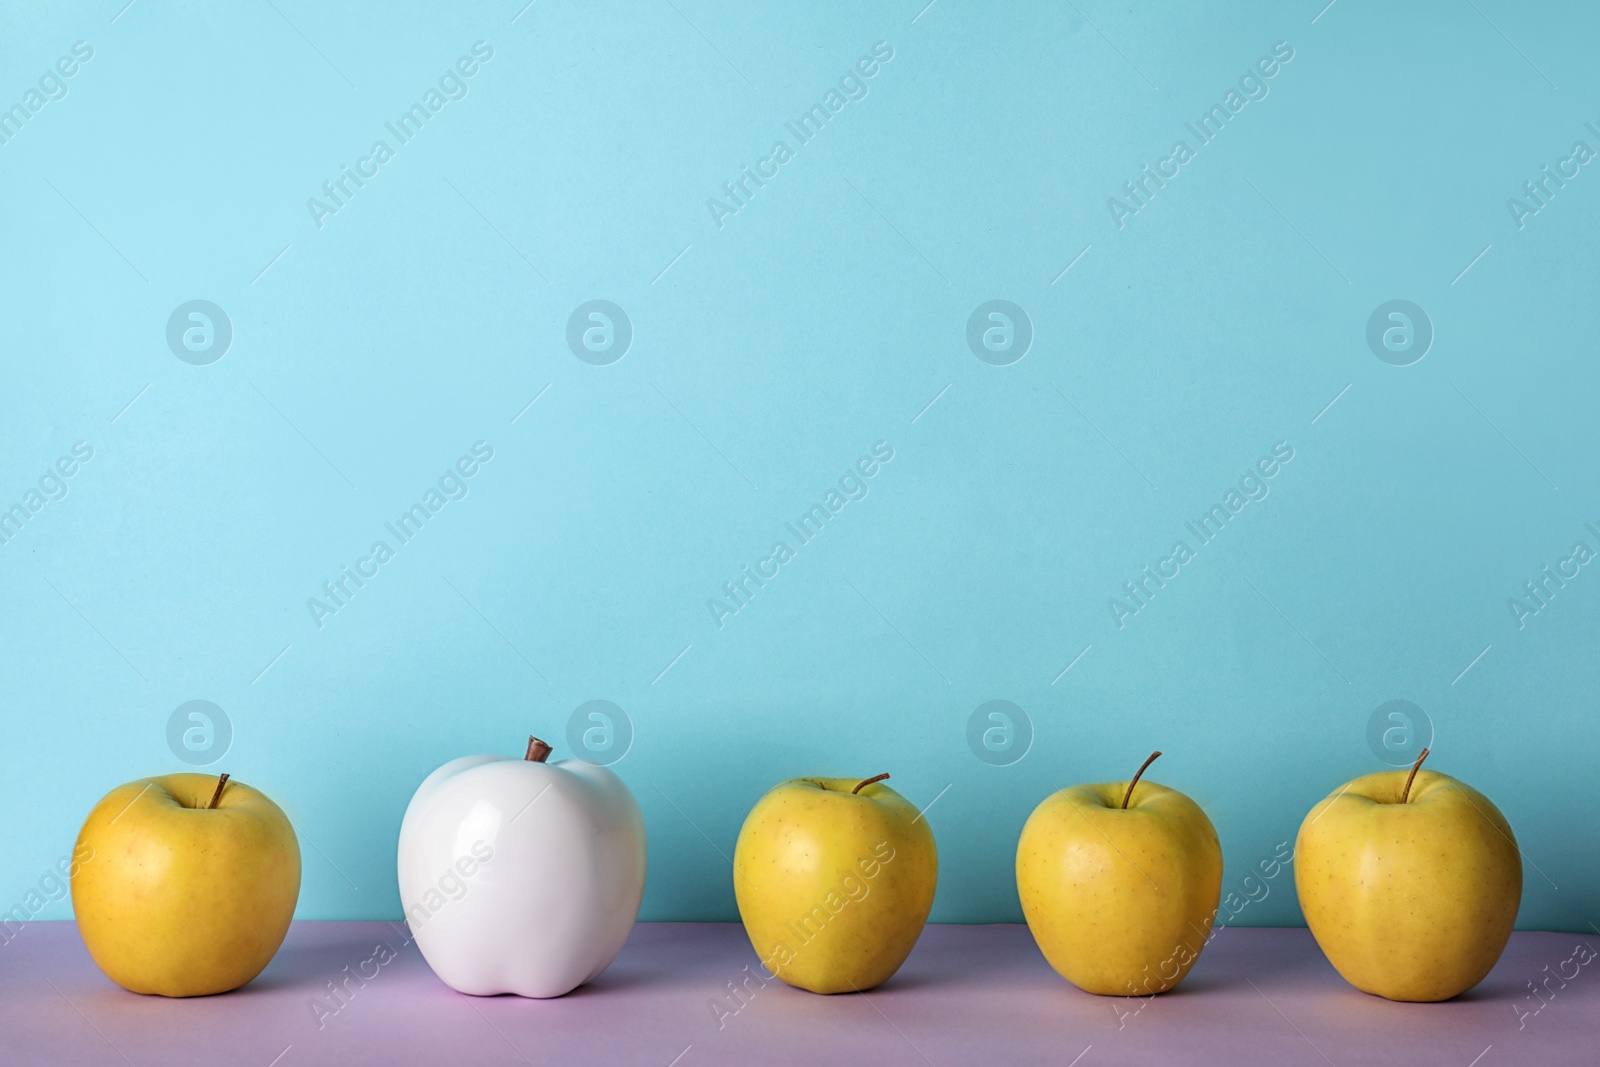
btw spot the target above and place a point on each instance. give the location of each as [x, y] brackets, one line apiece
[968, 994]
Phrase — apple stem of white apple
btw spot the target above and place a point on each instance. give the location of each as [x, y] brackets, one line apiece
[1137, 775]
[217, 796]
[862, 785]
[1406, 792]
[538, 751]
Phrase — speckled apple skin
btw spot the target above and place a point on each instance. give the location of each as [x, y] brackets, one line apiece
[834, 887]
[1409, 901]
[1120, 901]
[179, 899]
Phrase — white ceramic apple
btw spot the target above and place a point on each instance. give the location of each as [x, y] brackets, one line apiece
[521, 876]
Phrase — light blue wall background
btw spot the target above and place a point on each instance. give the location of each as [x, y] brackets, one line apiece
[1224, 317]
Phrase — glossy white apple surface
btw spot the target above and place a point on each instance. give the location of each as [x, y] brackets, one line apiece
[520, 876]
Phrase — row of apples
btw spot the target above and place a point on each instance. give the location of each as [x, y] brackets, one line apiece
[521, 875]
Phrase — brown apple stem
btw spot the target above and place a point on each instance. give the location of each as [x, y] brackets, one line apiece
[215, 797]
[1406, 792]
[1139, 774]
[862, 785]
[538, 751]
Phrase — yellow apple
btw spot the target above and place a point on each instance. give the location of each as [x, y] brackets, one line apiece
[1410, 887]
[834, 878]
[1119, 883]
[191, 886]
